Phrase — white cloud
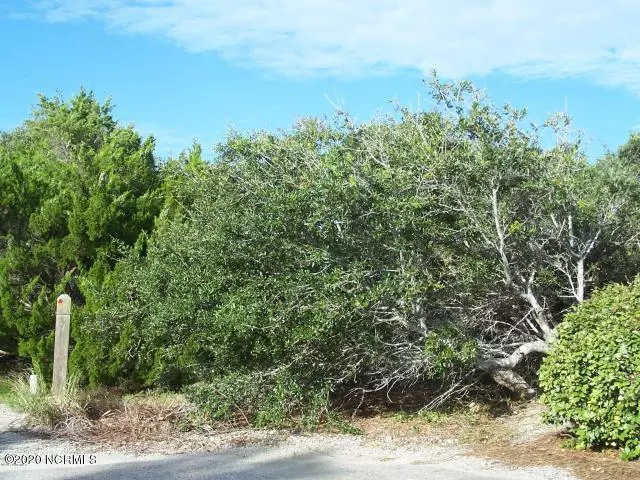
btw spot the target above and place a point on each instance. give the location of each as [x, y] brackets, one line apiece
[169, 142]
[543, 38]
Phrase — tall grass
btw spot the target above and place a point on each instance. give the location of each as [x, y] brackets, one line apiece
[44, 409]
[101, 415]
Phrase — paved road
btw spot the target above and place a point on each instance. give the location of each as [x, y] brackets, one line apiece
[302, 457]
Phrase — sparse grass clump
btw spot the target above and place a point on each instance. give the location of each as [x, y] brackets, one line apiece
[100, 415]
[46, 410]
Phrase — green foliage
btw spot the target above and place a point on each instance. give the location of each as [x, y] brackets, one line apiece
[350, 259]
[329, 260]
[7, 395]
[297, 254]
[75, 187]
[591, 377]
[261, 401]
[448, 350]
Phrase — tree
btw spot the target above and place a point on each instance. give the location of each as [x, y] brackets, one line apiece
[424, 248]
[79, 186]
[547, 219]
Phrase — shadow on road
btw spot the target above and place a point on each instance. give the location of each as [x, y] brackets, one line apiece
[239, 464]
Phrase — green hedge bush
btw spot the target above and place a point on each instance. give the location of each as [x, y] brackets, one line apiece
[264, 401]
[591, 377]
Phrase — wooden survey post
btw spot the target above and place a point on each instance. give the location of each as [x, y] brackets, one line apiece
[61, 349]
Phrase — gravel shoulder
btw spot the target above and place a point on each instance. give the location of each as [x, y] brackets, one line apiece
[261, 455]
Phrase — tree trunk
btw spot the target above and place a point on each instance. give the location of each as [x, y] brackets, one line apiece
[514, 382]
[501, 369]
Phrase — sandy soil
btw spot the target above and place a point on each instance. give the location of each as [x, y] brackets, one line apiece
[253, 454]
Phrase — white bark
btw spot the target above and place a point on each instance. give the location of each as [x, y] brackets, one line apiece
[501, 369]
[540, 314]
[514, 382]
[512, 360]
[506, 267]
[580, 280]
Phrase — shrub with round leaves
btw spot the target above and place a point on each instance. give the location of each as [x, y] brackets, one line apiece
[591, 377]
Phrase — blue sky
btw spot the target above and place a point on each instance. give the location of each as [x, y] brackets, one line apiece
[193, 69]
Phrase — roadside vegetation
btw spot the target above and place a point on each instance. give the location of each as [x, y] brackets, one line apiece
[302, 276]
[6, 392]
[99, 415]
[591, 378]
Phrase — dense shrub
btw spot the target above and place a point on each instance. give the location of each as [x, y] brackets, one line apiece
[332, 259]
[351, 260]
[591, 378]
[263, 401]
[316, 263]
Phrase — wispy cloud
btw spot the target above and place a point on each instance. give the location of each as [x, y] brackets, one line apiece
[169, 142]
[591, 39]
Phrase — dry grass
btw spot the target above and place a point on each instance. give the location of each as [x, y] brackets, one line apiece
[138, 419]
[103, 416]
[468, 424]
[549, 450]
[156, 423]
[510, 433]
[43, 409]
[529, 443]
